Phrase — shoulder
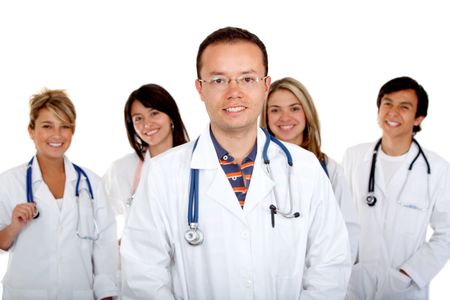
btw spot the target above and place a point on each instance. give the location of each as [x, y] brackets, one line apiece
[17, 172]
[93, 177]
[360, 148]
[174, 156]
[124, 162]
[436, 161]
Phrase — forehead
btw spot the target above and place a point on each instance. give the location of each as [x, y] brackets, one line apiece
[44, 114]
[232, 58]
[403, 96]
[283, 96]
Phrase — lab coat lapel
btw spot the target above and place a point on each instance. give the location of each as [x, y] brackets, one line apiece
[213, 181]
[260, 184]
[399, 179]
[69, 199]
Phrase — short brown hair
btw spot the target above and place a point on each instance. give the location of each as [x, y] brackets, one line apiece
[56, 101]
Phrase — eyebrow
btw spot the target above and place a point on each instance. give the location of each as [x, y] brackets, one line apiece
[387, 99]
[290, 105]
[216, 73]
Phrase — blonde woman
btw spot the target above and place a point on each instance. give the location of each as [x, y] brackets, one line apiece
[290, 115]
[54, 218]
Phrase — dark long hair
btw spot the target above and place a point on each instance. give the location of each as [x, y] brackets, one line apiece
[156, 97]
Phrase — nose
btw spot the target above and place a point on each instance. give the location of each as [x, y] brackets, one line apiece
[285, 115]
[394, 110]
[233, 89]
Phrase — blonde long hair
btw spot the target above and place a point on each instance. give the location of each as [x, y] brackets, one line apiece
[311, 135]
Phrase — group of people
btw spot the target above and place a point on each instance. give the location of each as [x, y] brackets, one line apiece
[250, 209]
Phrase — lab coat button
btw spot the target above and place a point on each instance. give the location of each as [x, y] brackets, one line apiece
[244, 235]
[248, 283]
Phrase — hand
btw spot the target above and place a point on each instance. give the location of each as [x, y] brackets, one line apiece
[22, 214]
[404, 273]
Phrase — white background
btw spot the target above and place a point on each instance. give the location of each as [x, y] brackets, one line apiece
[99, 51]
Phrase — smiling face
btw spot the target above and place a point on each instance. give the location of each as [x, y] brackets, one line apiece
[51, 136]
[285, 116]
[153, 127]
[397, 114]
[233, 108]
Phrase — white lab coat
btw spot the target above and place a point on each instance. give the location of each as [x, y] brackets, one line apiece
[394, 236]
[118, 181]
[343, 195]
[242, 256]
[48, 260]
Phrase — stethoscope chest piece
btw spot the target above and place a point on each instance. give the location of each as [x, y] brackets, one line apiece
[371, 199]
[36, 213]
[193, 235]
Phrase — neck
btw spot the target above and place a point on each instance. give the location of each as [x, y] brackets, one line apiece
[160, 148]
[50, 165]
[396, 146]
[238, 144]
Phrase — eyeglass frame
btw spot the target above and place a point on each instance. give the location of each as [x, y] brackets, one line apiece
[227, 80]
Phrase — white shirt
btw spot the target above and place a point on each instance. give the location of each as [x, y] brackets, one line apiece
[242, 256]
[48, 260]
[343, 195]
[394, 230]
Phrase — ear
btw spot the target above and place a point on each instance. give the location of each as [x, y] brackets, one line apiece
[199, 88]
[418, 120]
[31, 132]
[267, 83]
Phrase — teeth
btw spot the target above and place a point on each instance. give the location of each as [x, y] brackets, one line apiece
[235, 109]
[393, 124]
[286, 127]
[55, 145]
[151, 132]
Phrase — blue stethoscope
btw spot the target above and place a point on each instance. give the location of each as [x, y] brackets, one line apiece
[193, 235]
[80, 172]
[371, 199]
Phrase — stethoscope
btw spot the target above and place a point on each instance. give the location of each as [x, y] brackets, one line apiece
[194, 236]
[371, 199]
[80, 172]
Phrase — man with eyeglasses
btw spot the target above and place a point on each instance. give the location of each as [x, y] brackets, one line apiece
[227, 216]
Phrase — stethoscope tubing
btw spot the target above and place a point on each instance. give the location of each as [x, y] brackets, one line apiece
[371, 199]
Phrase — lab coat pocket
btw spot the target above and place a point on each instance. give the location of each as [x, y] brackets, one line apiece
[413, 214]
[398, 281]
[357, 289]
[288, 287]
[83, 295]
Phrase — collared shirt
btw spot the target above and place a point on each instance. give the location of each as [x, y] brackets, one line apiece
[239, 176]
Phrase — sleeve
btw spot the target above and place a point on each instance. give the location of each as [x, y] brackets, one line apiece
[327, 265]
[112, 184]
[106, 252]
[344, 198]
[145, 250]
[432, 256]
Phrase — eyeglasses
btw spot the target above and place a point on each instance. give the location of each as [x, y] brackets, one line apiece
[222, 82]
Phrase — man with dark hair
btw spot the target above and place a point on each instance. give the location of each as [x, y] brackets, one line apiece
[400, 189]
[235, 214]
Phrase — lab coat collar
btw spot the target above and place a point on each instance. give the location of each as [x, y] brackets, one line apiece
[36, 177]
[205, 158]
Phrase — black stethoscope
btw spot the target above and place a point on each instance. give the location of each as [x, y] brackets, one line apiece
[371, 199]
[194, 236]
[80, 172]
